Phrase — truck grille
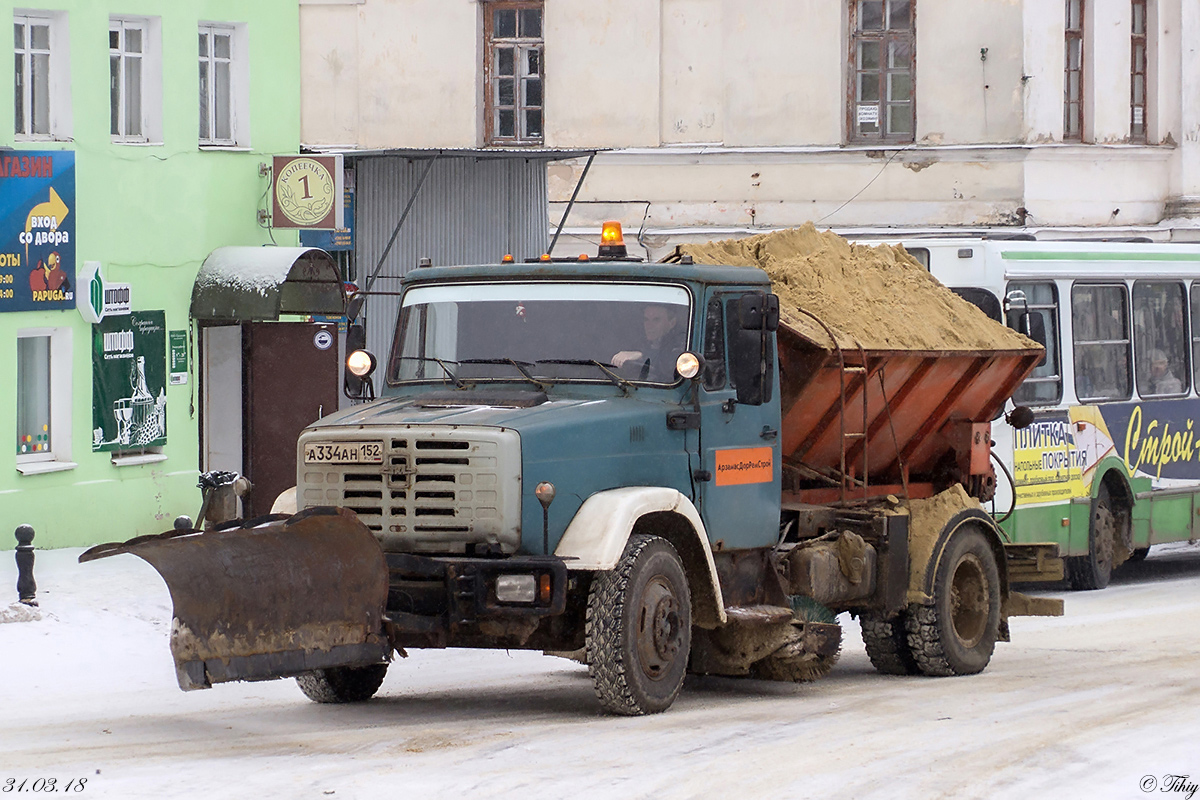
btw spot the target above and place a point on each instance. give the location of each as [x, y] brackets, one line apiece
[437, 491]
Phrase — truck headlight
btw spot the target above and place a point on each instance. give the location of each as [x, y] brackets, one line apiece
[360, 363]
[688, 365]
[516, 588]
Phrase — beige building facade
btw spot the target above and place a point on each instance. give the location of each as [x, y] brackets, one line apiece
[721, 116]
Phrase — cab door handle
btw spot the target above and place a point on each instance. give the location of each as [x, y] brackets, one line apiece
[768, 432]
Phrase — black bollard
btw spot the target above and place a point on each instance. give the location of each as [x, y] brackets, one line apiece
[26, 587]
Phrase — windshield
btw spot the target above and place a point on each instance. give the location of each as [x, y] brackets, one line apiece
[541, 333]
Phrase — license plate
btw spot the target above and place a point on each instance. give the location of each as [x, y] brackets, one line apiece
[343, 453]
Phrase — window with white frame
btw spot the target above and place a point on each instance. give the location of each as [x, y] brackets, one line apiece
[43, 394]
[42, 107]
[33, 397]
[223, 92]
[128, 65]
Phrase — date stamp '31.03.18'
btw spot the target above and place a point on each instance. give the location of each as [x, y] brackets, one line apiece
[44, 785]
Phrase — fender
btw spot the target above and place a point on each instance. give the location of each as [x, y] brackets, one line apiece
[924, 559]
[285, 503]
[597, 535]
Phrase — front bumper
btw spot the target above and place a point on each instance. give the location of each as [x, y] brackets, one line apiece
[445, 602]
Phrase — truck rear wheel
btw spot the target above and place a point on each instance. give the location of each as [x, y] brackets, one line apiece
[639, 629]
[342, 684]
[956, 635]
[886, 641]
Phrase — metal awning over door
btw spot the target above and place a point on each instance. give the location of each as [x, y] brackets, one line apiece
[237, 284]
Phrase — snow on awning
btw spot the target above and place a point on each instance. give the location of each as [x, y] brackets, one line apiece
[260, 283]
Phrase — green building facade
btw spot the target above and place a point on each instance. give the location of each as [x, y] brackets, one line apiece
[130, 148]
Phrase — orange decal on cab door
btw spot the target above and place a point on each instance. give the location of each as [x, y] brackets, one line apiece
[744, 465]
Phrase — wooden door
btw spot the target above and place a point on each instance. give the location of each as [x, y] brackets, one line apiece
[290, 380]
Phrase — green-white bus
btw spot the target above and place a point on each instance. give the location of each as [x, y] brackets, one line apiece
[1111, 464]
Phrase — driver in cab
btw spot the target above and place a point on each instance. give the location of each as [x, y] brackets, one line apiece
[661, 346]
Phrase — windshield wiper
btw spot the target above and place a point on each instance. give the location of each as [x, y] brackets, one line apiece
[458, 384]
[616, 379]
[522, 367]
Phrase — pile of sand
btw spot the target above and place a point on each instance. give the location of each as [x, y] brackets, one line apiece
[878, 297]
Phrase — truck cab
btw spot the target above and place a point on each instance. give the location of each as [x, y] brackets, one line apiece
[503, 378]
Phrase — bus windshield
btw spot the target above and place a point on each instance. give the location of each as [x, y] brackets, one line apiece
[547, 332]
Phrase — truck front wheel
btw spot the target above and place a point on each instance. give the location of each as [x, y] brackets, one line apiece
[639, 629]
[342, 684]
[957, 633]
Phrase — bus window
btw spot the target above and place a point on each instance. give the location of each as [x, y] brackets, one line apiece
[1160, 338]
[921, 254]
[1100, 319]
[982, 299]
[1044, 386]
[1196, 331]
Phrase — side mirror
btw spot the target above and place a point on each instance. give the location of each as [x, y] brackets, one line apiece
[356, 338]
[354, 305]
[1020, 417]
[1033, 325]
[758, 311]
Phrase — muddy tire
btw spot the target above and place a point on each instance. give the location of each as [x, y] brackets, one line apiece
[342, 684]
[1094, 570]
[956, 635]
[886, 641]
[639, 629]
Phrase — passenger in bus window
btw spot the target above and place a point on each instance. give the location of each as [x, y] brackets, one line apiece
[1162, 380]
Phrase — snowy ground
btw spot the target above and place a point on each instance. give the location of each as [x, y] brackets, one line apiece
[1080, 706]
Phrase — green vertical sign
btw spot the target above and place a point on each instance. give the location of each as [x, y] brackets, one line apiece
[179, 357]
[129, 379]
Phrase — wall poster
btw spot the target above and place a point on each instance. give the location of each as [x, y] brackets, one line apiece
[37, 230]
[129, 379]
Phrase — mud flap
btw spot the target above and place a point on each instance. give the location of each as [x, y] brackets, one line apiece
[1033, 563]
[269, 598]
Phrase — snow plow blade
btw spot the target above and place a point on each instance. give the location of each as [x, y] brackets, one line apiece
[269, 598]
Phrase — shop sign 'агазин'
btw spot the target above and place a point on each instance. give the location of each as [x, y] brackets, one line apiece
[37, 230]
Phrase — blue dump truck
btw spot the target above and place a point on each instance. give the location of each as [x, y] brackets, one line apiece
[651, 467]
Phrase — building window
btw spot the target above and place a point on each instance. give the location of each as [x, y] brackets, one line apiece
[33, 398]
[224, 94]
[43, 393]
[514, 70]
[1137, 73]
[1073, 87]
[41, 76]
[126, 60]
[882, 39]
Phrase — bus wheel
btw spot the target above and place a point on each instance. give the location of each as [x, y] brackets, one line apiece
[1094, 570]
